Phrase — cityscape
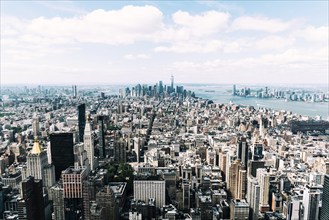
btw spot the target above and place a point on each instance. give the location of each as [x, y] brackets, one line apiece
[164, 110]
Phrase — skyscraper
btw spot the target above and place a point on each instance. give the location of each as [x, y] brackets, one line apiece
[234, 90]
[239, 210]
[62, 153]
[35, 127]
[120, 151]
[311, 202]
[242, 152]
[32, 205]
[237, 180]
[101, 137]
[81, 120]
[172, 84]
[325, 199]
[73, 192]
[74, 91]
[88, 141]
[37, 161]
[106, 199]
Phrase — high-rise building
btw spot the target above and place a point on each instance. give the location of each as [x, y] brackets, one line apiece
[31, 206]
[146, 189]
[35, 127]
[325, 199]
[234, 90]
[311, 202]
[293, 208]
[88, 141]
[253, 197]
[62, 153]
[242, 151]
[74, 91]
[57, 193]
[37, 161]
[239, 210]
[101, 137]
[120, 151]
[172, 84]
[81, 120]
[105, 198]
[186, 194]
[73, 192]
[263, 177]
[206, 207]
[257, 151]
[237, 180]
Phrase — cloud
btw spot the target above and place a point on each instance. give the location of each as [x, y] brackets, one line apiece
[192, 47]
[274, 42]
[212, 42]
[261, 24]
[137, 56]
[201, 25]
[314, 34]
[290, 57]
[124, 26]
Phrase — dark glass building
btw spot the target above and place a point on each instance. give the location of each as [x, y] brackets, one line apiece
[242, 152]
[101, 137]
[325, 199]
[31, 206]
[62, 152]
[81, 120]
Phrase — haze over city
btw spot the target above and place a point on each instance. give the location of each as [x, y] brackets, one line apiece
[106, 42]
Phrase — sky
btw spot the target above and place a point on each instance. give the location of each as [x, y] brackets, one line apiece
[124, 42]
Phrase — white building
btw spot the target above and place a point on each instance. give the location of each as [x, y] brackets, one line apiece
[88, 141]
[145, 189]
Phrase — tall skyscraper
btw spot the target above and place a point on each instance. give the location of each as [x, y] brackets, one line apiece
[37, 161]
[242, 151]
[88, 141]
[58, 202]
[237, 180]
[234, 90]
[186, 194]
[32, 206]
[120, 151]
[311, 202]
[325, 199]
[74, 91]
[73, 193]
[106, 199]
[172, 84]
[35, 127]
[101, 137]
[81, 120]
[253, 197]
[62, 152]
[160, 87]
[264, 176]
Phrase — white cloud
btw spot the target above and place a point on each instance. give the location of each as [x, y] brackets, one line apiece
[261, 24]
[192, 47]
[137, 56]
[259, 44]
[314, 33]
[292, 57]
[124, 26]
[274, 42]
[200, 25]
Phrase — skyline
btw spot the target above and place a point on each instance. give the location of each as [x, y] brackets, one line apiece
[204, 42]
